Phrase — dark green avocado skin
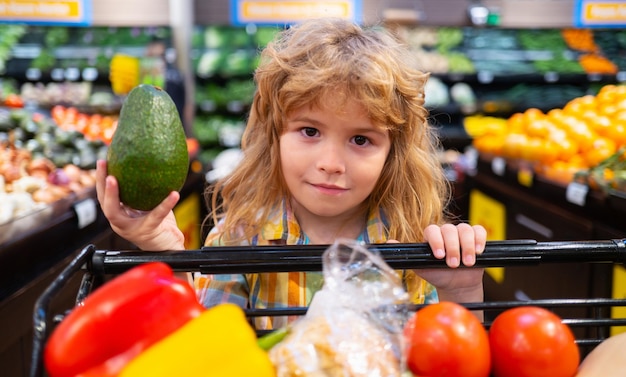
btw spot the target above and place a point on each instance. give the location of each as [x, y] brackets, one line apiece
[148, 153]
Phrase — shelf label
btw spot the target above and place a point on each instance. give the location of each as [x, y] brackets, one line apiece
[33, 74]
[498, 166]
[525, 176]
[66, 12]
[86, 212]
[187, 214]
[208, 106]
[491, 214]
[72, 74]
[90, 74]
[281, 12]
[57, 74]
[484, 77]
[551, 77]
[599, 13]
[235, 106]
[621, 76]
[576, 193]
[593, 77]
[619, 292]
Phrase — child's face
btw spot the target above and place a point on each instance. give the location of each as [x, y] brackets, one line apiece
[331, 160]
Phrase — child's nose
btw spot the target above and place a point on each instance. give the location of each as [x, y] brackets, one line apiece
[331, 159]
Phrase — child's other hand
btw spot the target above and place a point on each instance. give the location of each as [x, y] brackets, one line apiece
[154, 230]
[458, 244]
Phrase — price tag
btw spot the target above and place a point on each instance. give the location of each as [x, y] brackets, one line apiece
[576, 193]
[594, 77]
[525, 177]
[33, 74]
[90, 74]
[484, 77]
[72, 74]
[208, 106]
[234, 106]
[498, 166]
[86, 212]
[57, 74]
[621, 76]
[551, 77]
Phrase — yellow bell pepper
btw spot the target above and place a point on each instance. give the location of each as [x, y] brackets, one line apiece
[220, 342]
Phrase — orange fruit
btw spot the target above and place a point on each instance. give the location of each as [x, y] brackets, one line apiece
[538, 128]
[607, 109]
[561, 172]
[578, 105]
[601, 149]
[607, 94]
[516, 123]
[550, 152]
[587, 113]
[620, 103]
[532, 149]
[513, 145]
[556, 116]
[619, 116]
[582, 134]
[567, 148]
[617, 133]
[600, 124]
[489, 144]
[532, 114]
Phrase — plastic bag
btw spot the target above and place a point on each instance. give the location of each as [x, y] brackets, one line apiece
[354, 324]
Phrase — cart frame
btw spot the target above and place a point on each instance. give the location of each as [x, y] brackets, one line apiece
[96, 265]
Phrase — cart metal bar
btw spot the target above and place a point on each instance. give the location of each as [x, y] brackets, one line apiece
[486, 305]
[41, 314]
[285, 258]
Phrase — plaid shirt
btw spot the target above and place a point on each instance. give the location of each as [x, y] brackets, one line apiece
[288, 289]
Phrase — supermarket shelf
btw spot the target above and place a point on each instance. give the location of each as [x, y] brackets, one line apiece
[597, 206]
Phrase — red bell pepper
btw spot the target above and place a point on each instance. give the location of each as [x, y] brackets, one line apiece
[119, 321]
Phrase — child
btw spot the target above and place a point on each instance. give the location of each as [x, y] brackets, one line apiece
[337, 145]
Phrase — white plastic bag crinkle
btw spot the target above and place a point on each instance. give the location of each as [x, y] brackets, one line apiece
[354, 324]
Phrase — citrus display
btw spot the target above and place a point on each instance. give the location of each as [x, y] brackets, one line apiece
[563, 141]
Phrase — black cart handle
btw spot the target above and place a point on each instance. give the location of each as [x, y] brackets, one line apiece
[285, 258]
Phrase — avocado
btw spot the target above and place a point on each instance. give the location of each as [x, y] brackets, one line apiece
[148, 153]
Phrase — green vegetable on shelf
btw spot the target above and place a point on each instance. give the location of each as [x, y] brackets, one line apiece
[448, 38]
[264, 35]
[459, 63]
[56, 36]
[215, 37]
[237, 63]
[209, 63]
[45, 61]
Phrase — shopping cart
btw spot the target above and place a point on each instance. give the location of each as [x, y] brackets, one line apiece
[98, 265]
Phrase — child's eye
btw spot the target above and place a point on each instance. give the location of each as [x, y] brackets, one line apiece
[310, 131]
[360, 140]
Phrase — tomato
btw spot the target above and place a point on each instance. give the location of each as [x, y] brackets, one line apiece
[532, 341]
[446, 339]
